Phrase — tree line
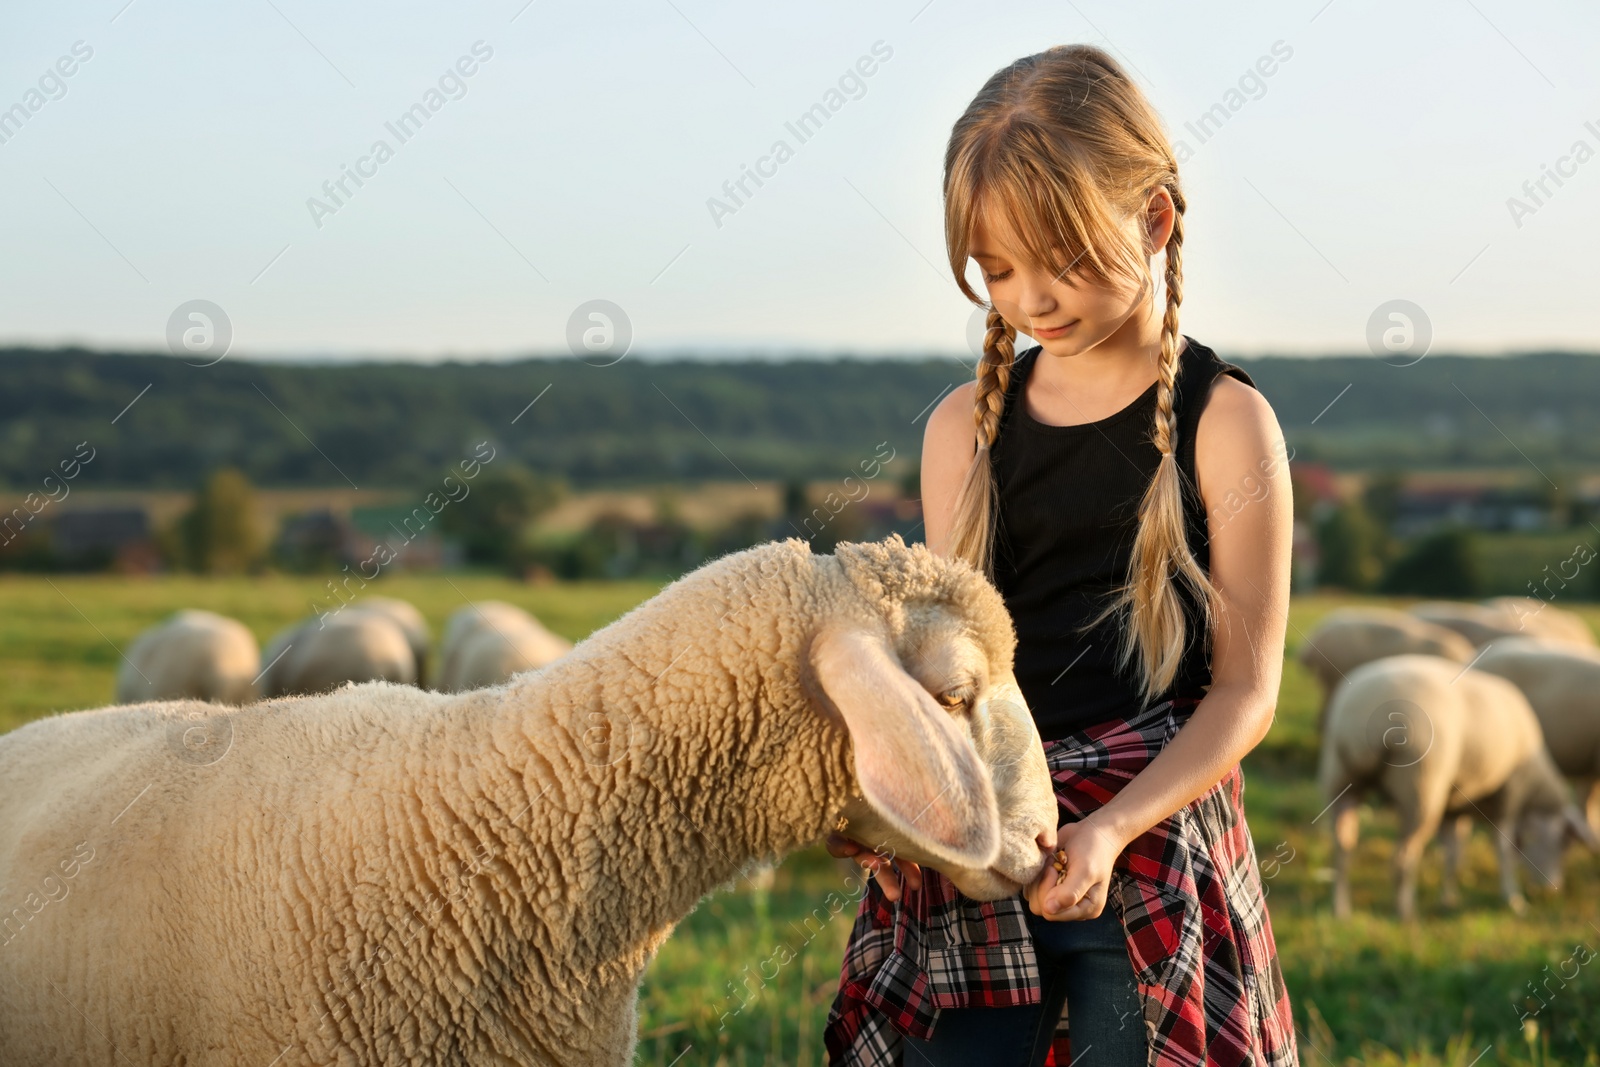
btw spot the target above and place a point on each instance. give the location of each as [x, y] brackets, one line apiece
[395, 425]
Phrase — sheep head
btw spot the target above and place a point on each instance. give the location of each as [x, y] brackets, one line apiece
[1542, 837]
[1549, 822]
[916, 664]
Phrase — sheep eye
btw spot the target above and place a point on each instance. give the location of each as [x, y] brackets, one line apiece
[954, 699]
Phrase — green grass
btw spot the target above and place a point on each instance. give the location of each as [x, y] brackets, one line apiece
[1515, 563]
[1446, 990]
[60, 636]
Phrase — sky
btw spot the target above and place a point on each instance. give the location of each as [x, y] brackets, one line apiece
[194, 151]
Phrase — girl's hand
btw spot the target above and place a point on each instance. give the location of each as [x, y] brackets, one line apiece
[1081, 893]
[889, 874]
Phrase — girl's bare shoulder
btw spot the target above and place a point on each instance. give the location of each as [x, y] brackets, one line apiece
[951, 418]
[1237, 409]
[1238, 432]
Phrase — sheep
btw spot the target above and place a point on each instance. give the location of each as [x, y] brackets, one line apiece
[486, 643]
[347, 645]
[194, 655]
[411, 623]
[1478, 623]
[1507, 616]
[1537, 618]
[1348, 637]
[388, 875]
[1437, 739]
[1562, 683]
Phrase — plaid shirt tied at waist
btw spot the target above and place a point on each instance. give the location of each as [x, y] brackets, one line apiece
[1188, 892]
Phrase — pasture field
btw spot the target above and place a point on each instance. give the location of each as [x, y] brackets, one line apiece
[1451, 990]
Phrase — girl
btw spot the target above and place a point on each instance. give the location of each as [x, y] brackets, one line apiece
[1087, 477]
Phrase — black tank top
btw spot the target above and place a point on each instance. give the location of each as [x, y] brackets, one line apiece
[1068, 511]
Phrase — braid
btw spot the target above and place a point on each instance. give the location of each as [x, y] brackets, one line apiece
[971, 534]
[994, 377]
[1157, 631]
[1166, 428]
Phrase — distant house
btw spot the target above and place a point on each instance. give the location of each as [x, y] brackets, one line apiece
[412, 534]
[115, 537]
[1305, 557]
[325, 539]
[318, 540]
[1486, 507]
[1319, 485]
[1317, 481]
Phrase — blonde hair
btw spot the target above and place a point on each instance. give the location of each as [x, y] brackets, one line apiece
[1066, 146]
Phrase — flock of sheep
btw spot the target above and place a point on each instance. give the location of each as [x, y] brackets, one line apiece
[200, 655]
[480, 872]
[1451, 710]
[385, 874]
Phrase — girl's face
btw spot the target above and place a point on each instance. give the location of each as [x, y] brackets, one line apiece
[1067, 313]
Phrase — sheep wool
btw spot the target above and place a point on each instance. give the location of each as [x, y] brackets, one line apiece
[1348, 637]
[385, 875]
[1561, 682]
[194, 655]
[411, 623]
[352, 644]
[488, 642]
[1508, 616]
[1439, 739]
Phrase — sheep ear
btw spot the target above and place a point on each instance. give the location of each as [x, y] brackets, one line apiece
[916, 767]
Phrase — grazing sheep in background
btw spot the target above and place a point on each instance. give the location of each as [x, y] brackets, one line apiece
[1348, 637]
[1562, 683]
[384, 875]
[325, 652]
[484, 613]
[1478, 623]
[1536, 618]
[1507, 616]
[411, 623]
[194, 655]
[1438, 739]
[486, 643]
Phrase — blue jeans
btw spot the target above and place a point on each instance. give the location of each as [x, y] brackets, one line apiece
[1084, 964]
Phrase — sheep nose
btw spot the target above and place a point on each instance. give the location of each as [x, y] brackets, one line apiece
[1046, 840]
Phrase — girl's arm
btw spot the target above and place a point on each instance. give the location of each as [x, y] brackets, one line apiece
[948, 443]
[1243, 472]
